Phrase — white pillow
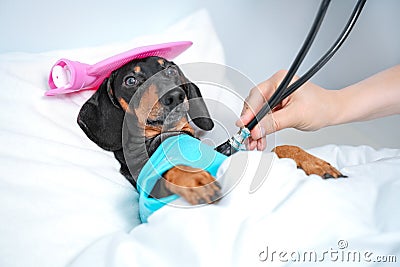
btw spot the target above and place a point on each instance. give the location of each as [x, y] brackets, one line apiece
[60, 192]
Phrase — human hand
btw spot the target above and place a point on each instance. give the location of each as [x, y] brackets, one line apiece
[309, 108]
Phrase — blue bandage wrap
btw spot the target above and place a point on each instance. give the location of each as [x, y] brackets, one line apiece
[177, 150]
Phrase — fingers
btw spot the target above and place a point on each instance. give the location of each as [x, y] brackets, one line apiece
[258, 96]
[253, 103]
[271, 123]
[259, 144]
[251, 143]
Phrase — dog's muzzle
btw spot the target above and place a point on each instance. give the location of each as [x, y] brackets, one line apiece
[174, 108]
[173, 98]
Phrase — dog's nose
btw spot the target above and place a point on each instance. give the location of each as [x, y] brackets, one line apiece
[173, 98]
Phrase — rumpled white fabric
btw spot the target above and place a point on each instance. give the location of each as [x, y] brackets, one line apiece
[59, 192]
[290, 213]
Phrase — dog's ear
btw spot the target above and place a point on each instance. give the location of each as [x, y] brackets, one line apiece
[101, 118]
[198, 111]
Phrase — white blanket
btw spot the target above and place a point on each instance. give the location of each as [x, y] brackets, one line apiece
[289, 219]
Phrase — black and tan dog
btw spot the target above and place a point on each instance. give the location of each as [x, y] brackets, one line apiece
[155, 98]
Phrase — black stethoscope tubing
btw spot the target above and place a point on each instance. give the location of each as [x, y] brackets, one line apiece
[283, 90]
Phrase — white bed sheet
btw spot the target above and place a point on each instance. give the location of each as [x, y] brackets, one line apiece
[290, 213]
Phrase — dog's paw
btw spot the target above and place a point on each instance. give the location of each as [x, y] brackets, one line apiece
[196, 186]
[309, 163]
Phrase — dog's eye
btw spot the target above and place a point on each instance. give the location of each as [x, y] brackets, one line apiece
[131, 81]
[171, 72]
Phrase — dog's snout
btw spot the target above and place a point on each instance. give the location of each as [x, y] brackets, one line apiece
[173, 98]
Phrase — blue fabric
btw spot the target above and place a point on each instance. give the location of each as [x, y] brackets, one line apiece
[177, 150]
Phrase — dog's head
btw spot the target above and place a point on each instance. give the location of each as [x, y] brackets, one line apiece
[155, 95]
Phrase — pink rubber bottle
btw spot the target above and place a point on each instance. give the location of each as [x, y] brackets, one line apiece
[67, 76]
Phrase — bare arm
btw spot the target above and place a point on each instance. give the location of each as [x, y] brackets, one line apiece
[312, 107]
[375, 97]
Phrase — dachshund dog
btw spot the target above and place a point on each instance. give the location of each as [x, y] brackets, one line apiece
[152, 99]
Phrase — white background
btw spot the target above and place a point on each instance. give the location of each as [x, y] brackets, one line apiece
[259, 37]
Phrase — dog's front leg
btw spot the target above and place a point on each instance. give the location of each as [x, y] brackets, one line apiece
[307, 162]
[195, 185]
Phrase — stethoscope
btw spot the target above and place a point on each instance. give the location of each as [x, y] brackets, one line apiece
[235, 143]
